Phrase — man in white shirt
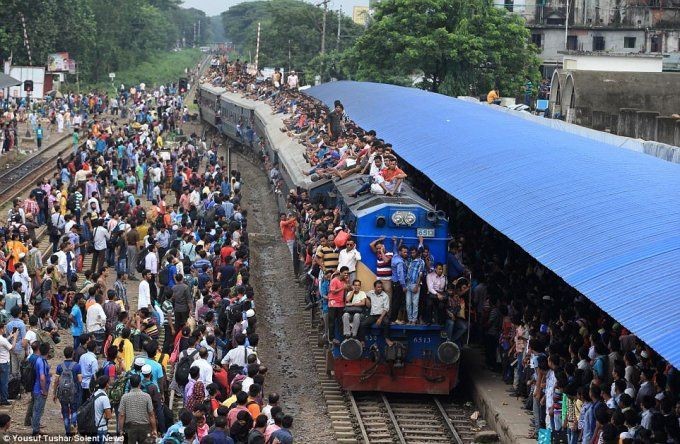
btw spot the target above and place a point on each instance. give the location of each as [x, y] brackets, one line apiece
[21, 275]
[349, 258]
[204, 367]
[144, 298]
[151, 260]
[239, 354]
[100, 237]
[96, 318]
[5, 347]
[292, 80]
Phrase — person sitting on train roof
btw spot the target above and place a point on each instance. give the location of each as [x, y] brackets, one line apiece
[393, 177]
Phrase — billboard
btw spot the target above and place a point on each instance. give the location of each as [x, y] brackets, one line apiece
[58, 61]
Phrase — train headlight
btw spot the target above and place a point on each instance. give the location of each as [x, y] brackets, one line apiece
[448, 353]
[401, 218]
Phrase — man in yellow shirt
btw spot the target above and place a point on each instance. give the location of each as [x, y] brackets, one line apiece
[493, 97]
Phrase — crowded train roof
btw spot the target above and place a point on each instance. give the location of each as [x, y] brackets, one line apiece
[605, 219]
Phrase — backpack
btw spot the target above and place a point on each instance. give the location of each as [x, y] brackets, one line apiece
[141, 260]
[177, 183]
[85, 416]
[28, 375]
[210, 217]
[39, 296]
[66, 390]
[182, 371]
[141, 216]
[117, 389]
[164, 276]
[71, 202]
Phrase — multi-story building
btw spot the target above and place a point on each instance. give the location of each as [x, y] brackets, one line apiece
[616, 26]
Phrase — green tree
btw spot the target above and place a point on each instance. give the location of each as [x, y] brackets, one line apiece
[455, 45]
[288, 27]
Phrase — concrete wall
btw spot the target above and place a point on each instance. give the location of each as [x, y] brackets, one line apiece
[593, 62]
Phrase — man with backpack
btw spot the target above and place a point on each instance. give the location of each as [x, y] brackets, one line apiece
[67, 390]
[41, 386]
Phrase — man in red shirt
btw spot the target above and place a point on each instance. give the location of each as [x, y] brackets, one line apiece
[393, 176]
[288, 226]
[336, 300]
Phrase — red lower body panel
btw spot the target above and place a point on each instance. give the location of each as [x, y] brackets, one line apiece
[413, 377]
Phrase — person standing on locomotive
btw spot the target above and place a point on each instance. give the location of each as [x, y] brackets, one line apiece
[349, 257]
[436, 296]
[336, 300]
[456, 323]
[399, 268]
[414, 275]
[383, 268]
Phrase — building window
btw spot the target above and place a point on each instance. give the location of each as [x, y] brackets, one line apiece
[598, 43]
[537, 39]
[655, 43]
[572, 42]
[555, 20]
[509, 4]
[629, 42]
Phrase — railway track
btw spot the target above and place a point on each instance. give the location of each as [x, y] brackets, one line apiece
[406, 419]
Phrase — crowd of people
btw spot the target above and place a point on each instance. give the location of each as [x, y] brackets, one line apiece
[584, 376]
[159, 216]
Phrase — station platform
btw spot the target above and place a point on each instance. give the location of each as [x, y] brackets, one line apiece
[502, 412]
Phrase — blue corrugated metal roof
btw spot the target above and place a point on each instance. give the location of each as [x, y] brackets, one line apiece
[605, 219]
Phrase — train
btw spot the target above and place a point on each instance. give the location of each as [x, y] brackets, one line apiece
[421, 359]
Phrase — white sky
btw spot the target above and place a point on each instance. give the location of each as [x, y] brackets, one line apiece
[215, 7]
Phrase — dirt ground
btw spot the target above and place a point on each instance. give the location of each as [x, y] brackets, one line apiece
[281, 322]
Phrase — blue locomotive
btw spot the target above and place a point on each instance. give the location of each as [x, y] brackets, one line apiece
[421, 360]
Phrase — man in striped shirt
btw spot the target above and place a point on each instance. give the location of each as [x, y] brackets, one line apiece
[327, 255]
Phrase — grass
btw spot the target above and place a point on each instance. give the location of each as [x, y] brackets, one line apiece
[159, 68]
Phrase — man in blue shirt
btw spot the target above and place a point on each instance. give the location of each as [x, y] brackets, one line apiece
[185, 419]
[77, 320]
[454, 269]
[69, 409]
[39, 135]
[88, 367]
[283, 435]
[19, 351]
[398, 280]
[41, 387]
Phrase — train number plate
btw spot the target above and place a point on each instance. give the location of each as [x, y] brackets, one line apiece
[425, 232]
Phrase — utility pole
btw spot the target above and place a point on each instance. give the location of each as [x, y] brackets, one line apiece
[257, 49]
[566, 28]
[337, 43]
[28, 47]
[199, 30]
[194, 42]
[323, 32]
[289, 56]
